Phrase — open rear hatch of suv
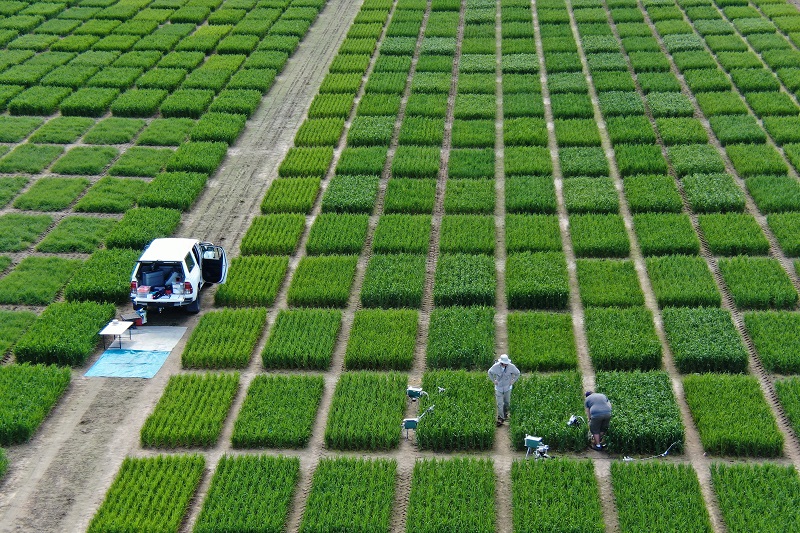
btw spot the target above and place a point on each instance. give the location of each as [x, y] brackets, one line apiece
[215, 263]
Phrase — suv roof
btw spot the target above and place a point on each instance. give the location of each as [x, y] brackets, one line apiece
[171, 249]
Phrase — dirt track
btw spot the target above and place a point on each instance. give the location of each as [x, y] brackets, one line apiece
[58, 480]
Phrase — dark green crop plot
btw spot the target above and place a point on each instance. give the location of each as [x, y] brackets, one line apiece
[471, 163]
[224, 339]
[62, 130]
[141, 225]
[351, 426]
[528, 161]
[656, 193]
[665, 234]
[292, 195]
[599, 236]
[350, 194]
[166, 132]
[18, 231]
[461, 337]
[139, 103]
[250, 492]
[237, 102]
[704, 340]
[191, 411]
[402, 233]
[713, 193]
[775, 334]
[540, 341]
[190, 103]
[786, 228]
[64, 334]
[273, 234]
[382, 340]
[320, 132]
[30, 158]
[252, 281]
[416, 162]
[630, 129]
[410, 196]
[198, 157]
[606, 283]
[111, 195]
[532, 233]
[758, 283]
[662, 496]
[523, 131]
[85, 160]
[369, 130]
[76, 234]
[469, 196]
[633, 159]
[28, 392]
[583, 161]
[104, 277]
[682, 281]
[754, 160]
[456, 493]
[367, 487]
[323, 281]
[421, 131]
[625, 103]
[770, 502]
[537, 280]
[302, 338]
[463, 279]
[394, 280]
[365, 161]
[114, 131]
[646, 416]
[579, 504]
[717, 400]
[51, 194]
[10, 187]
[14, 129]
[469, 234]
[733, 234]
[141, 162]
[622, 339]
[783, 129]
[591, 195]
[36, 280]
[334, 233]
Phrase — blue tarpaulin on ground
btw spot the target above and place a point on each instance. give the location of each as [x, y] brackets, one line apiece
[140, 356]
[128, 364]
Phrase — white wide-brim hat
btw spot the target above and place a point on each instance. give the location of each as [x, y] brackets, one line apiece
[504, 359]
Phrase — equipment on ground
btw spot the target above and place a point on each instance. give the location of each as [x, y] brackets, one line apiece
[537, 446]
[415, 393]
[628, 458]
[412, 423]
[575, 421]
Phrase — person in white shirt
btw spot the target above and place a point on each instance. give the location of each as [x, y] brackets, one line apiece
[503, 374]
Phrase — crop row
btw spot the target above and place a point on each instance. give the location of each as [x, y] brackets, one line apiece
[28, 394]
[224, 339]
[191, 411]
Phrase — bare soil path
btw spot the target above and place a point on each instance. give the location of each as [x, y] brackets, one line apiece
[58, 480]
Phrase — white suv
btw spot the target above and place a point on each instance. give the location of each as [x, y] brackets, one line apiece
[171, 272]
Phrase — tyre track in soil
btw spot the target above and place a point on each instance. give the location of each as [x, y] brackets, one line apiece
[58, 480]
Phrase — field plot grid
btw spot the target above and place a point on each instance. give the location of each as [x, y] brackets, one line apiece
[606, 190]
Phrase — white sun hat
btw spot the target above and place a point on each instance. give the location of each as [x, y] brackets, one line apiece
[504, 359]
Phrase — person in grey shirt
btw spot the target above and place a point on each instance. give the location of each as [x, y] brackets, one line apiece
[598, 412]
[503, 374]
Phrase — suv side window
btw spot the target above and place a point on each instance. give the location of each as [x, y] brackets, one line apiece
[189, 262]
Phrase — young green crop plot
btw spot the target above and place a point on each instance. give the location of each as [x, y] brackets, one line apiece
[29, 392]
[150, 494]
[366, 411]
[286, 423]
[249, 492]
[455, 494]
[666, 497]
[556, 495]
[191, 411]
[606, 191]
[364, 489]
